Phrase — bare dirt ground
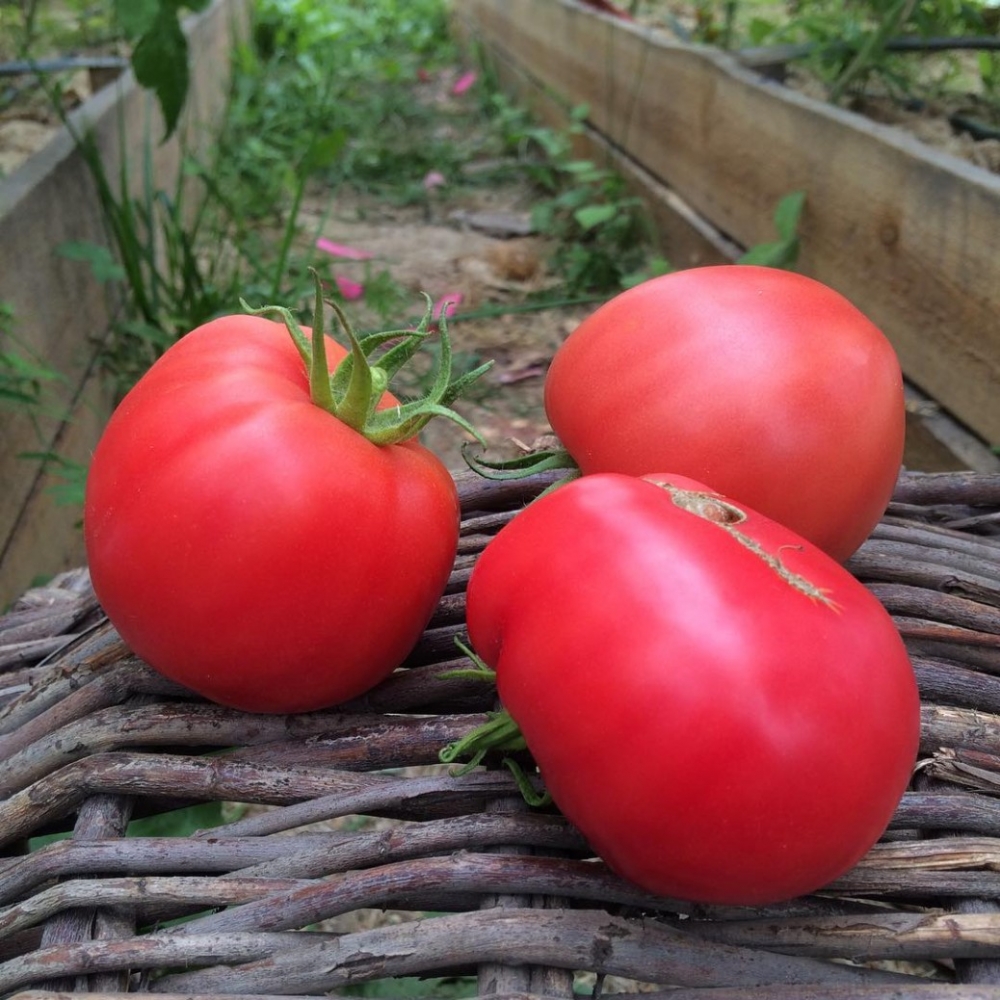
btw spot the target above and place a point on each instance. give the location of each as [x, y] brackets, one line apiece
[455, 248]
[930, 122]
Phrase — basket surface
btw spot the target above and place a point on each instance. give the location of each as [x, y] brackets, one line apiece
[359, 858]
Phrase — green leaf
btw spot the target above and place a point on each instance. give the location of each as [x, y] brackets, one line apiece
[414, 988]
[26, 368]
[178, 823]
[788, 213]
[784, 251]
[103, 265]
[781, 253]
[69, 485]
[580, 167]
[160, 63]
[655, 267]
[324, 151]
[595, 215]
[136, 16]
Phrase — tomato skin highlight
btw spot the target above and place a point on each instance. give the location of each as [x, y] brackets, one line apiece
[251, 546]
[724, 722]
[767, 385]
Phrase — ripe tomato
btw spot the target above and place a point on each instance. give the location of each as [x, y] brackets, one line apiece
[725, 713]
[765, 384]
[250, 545]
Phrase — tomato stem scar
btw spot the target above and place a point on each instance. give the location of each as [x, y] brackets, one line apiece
[727, 515]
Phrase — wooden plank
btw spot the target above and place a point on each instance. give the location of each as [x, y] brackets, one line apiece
[911, 235]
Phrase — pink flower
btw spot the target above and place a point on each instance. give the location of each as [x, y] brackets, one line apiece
[447, 305]
[341, 250]
[349, 289]
[433, 179]
[463, 83]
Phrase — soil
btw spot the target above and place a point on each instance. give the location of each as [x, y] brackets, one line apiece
[929, 121]
[444, 251]
[29, 122]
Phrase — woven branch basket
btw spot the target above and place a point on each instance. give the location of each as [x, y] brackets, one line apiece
[359, 858]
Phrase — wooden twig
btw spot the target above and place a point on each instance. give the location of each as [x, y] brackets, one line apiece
[954, 812]
[934, 605]
[77, 666]
[315, 794]
[947, 683]
[460, 872]
[976, 489]
[864, 937]
[571, 939]
[147, 952]
[950, 726]
[206, 725]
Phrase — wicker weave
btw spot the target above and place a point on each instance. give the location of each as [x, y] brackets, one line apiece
[91, 738]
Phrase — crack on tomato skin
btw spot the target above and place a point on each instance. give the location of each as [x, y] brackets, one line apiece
[727, 515]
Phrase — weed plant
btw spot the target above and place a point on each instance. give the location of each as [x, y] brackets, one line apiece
[911, 50]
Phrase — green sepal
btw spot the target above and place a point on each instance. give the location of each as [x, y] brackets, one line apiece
[524, 465]
[524, 785]
[498, 732]
[360, 397]
[479, 671]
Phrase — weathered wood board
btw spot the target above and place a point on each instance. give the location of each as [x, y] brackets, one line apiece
[60, 312]
[909, 234]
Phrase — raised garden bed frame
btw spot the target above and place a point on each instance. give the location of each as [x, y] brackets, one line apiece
[908, 233]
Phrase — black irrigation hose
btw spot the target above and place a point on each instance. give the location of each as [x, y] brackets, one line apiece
[978, 129]
[769, 55]
[20, 67]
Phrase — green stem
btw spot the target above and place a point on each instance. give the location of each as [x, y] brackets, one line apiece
[871, 48]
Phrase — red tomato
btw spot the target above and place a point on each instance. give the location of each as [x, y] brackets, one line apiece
[250, 545]
[725, 713]
[767, 385]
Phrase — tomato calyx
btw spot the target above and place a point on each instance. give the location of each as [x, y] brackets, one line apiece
[498, 734]
[355, 388]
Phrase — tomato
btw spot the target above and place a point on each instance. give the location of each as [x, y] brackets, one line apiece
[249, 544]
[767, 385]
[725, 713]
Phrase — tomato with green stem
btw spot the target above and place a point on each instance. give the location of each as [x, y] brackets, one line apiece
[723, 710]
[765, 384]
[268, 535]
